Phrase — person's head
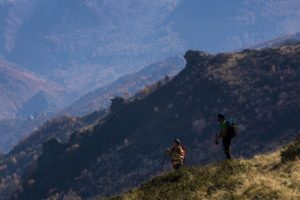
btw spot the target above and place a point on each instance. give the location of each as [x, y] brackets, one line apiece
[221, 117]
[177, 142]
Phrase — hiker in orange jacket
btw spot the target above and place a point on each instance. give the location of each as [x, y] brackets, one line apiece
[177, 154]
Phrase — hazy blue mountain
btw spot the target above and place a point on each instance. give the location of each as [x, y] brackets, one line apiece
[86, 44]
[126, 86]
[18, 86]
[37, 100]
[14, 130]
[35, 105]
[26, 101]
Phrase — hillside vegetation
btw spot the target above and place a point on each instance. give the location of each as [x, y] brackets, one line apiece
[11, 130]
[260, 88]
[272, 176]
[21, 160]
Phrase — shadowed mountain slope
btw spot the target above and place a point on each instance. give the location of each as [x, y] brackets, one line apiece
[21, 160]
[260, 88]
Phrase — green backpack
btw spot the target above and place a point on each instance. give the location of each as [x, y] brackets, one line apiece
[232, 127]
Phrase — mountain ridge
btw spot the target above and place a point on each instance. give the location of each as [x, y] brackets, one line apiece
[84, 41]
[126, 85]
[244, 84]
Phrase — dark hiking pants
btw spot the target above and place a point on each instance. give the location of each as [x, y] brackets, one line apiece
[177, 165]
[226, 146]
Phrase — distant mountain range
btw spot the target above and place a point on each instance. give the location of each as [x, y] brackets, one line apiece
[39, 99]
[126, 86]
[125, 147]
[87, 44]
[84, 45]
[93, 102]
[19, 89]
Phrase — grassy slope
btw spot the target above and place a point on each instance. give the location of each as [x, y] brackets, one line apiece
[270, 176]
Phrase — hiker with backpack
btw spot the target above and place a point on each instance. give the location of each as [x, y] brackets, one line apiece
[177, 154]
[228, 130]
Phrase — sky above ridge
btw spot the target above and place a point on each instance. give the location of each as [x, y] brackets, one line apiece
[218, 25]
[214, 25]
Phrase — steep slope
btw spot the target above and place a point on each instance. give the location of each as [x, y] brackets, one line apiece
[126, 85]
[12, 130]
[22, 159]
[263, 177]
[18, 86]
[260, 88]
[25, 153]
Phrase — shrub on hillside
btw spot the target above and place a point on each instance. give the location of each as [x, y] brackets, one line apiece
[292, 152]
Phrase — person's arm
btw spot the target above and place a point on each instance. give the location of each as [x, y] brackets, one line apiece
[222, 133]
[181, 151]
[219, 135]
[169, 151]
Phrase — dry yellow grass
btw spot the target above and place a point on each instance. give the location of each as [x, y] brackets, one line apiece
[270, 179]
[263, 177]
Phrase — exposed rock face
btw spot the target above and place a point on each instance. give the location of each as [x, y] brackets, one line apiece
[197, 56]
[260, 88]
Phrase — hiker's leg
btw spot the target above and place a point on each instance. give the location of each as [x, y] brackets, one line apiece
[176, 166]
[180, 166]
[226, 147]
[228, 153]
